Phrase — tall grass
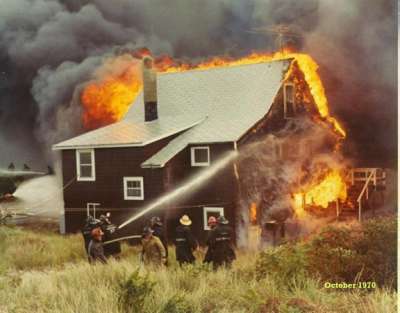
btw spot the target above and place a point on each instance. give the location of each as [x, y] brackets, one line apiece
[68, 284]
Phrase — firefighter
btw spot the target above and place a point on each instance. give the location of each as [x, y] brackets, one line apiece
[212, 223]
[90, 224]
[220, 242]
[108, 228]
[185, 243]
[153, 251]
[158, 231]
[95, 248]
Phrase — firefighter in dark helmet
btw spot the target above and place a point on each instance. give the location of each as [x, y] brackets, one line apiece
[158, 231]
[153, 252]
[185, 242]
[220, 242]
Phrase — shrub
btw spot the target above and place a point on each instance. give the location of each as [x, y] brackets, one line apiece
[133, 292]
[364, 252]
[177, 304]
[286, 263]
[377, 249]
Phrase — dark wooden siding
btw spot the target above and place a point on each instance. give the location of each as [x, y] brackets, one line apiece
[112, 164]
[217, 191]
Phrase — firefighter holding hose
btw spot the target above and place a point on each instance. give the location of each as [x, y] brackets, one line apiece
[220, 242]
[95, 248]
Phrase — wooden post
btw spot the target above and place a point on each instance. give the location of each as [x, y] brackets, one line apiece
[359, 210]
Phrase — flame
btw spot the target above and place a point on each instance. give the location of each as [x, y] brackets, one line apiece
[108, 100]
[331, 188]
[253, 213]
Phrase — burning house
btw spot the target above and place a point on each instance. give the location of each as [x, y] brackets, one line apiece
[215, 140]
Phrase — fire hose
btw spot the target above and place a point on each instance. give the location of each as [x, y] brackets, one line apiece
[122, 238]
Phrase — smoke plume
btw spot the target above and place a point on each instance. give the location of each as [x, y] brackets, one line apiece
[50, 48]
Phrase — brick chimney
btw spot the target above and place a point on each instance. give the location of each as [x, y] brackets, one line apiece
[149, 90]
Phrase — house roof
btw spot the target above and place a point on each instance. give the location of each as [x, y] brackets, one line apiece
[207, 106]
[232, 98]
[128, 133]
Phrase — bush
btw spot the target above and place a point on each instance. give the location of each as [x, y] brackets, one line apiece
[365, 253]
[177, 304]
[133, 292]
[286, 263]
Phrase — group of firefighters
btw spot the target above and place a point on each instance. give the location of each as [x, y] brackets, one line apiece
[154, 251]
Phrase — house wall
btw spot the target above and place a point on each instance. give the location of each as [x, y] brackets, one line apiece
[112, 164]
[218, 191]
[272, 123]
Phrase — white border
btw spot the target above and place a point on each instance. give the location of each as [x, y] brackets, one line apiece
[206, 210]
[78, 167]
[133, 178]
[285, 100]
[192, 156]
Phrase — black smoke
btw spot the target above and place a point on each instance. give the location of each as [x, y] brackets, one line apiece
[49, 49]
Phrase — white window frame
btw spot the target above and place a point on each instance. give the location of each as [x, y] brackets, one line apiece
[78, 165]
[133, 178]
[206, 210]
[193, 154]
[285, 100]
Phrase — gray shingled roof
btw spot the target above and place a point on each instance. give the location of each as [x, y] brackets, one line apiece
[213, 105]
[128, 133]
[232, 98]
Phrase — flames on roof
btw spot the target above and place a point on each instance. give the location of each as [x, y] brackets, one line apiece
[107, 99]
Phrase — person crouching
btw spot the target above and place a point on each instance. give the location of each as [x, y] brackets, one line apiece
[95, 247]
[153, 251]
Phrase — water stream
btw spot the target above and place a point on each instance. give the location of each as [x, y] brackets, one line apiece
[187, 187]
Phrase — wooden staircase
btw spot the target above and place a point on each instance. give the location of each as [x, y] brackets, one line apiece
[363, 184]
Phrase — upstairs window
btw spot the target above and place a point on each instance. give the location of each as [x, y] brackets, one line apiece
[85, 165]
[200, 156]
[289, 104]
[133, 188]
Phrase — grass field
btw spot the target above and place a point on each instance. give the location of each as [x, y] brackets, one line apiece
[45, 272]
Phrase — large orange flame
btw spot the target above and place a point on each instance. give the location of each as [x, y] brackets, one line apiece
[107, 100]
[331, 188]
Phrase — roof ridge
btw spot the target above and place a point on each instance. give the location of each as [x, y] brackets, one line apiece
[223, 67]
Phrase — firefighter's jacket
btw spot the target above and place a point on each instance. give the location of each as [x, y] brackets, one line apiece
[159, 232]
[96, 252]
[220, 243]
[210, 249]
[185, 244]
[153, 252]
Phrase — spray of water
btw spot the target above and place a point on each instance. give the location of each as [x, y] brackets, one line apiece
[14, 173]
[190, 185]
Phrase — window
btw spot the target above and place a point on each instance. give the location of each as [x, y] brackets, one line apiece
[200, 156]
[133, 188]
[85, 165]
[289, 104]
[211, 211]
